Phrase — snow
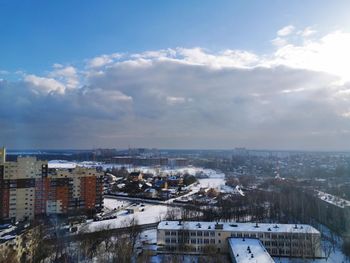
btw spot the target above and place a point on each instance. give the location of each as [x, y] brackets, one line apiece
[336, 257]
[110, 204]
[228, 189]
[146, 169]
[331, 199]
[151, 214]
[148, 236]
[256, 254]
[8, 237]
[61, 164]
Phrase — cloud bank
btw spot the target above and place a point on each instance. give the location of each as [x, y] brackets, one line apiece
[297, 97]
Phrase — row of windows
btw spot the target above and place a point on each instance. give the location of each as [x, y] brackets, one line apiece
[191, 241]
[191, 233]
[285, 243]
[287, 252]
[191, 248]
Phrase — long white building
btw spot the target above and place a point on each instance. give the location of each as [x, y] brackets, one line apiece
[283, 240]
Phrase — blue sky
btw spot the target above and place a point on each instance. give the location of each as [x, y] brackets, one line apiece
[37, 34]
[175, 74]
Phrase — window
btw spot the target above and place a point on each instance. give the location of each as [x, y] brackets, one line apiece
[193, 241]
[212, 241]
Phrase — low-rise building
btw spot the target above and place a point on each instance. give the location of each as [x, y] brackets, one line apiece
[283, 240]
[334, 212]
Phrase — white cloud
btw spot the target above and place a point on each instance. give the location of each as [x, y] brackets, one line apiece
[328, 54]
[4, 72]
[226, 58]
[307, 32]
[175, 100]
[44, 85]
[67, 75]
[191, 97]
[285, 31]
[278, 41]
[103, 60]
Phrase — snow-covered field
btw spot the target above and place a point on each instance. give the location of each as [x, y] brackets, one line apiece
[145, 169]
[110, 204]
[336, 257]
[151, 214]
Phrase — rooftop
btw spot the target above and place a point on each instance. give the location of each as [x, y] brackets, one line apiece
[61, 164]
[237, 227]
[248, 250]
[332, 199]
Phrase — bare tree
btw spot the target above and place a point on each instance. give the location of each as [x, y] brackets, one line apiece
[8, 254]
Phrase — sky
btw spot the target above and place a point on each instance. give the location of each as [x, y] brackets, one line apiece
[193, 74]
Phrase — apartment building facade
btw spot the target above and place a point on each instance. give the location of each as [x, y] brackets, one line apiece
[282, 240]
[29, 188]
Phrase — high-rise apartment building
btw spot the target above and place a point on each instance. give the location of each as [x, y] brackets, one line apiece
[29, 188]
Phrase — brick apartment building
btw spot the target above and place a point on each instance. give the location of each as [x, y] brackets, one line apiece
[29, 188]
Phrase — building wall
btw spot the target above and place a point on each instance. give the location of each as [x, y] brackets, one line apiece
[334, 216]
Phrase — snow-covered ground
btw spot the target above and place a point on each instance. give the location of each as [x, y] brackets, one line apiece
[336, 257]
[145, 169]
[151, 214]
[111, 204]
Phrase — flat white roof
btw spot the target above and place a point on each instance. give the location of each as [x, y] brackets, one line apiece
[332, 199]
[60, 164]
[237, 227]
[248, 250]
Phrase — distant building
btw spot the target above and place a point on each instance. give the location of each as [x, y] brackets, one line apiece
[282, 240]
[146, 161]
[333, 211]
[178, 162]
[30, 188]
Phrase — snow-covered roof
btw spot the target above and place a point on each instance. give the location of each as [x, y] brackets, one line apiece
[331, 199]
[8, 237]
[60, 164]
[249, 250]
[237, 227]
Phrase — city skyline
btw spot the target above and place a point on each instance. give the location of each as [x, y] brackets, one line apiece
[196, 75]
